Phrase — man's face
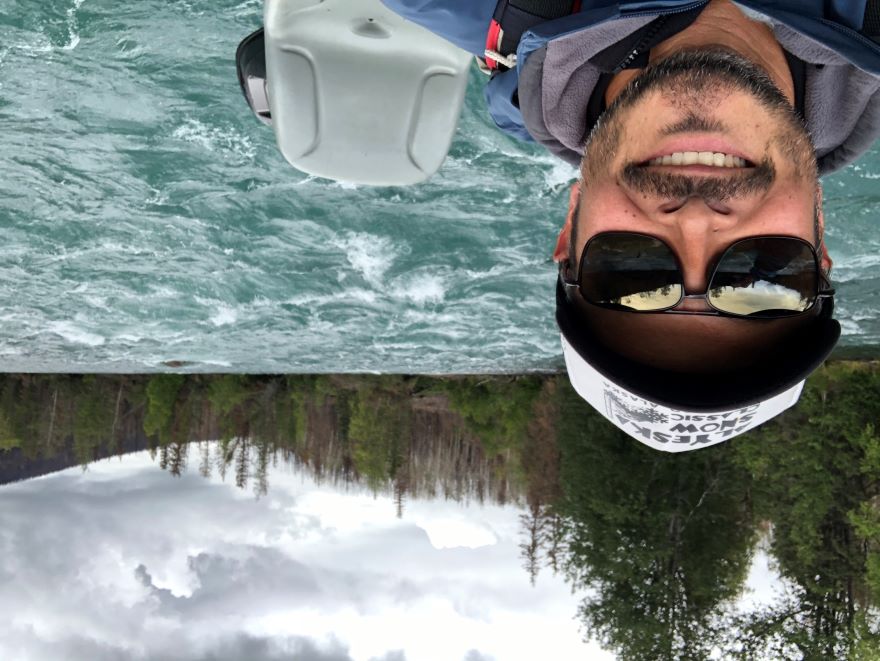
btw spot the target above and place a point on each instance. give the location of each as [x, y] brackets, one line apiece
[639, 175]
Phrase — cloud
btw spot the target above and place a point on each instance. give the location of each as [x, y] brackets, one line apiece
[396, 655]
[265, 578]
[474, 655]
[126, 561]
[266, 649]
[238, 647]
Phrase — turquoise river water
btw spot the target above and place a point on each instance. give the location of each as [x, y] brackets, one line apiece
[148, 221]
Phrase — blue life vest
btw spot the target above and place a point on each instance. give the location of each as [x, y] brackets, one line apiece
[833, 23]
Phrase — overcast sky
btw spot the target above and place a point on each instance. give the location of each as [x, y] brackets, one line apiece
[126, 561]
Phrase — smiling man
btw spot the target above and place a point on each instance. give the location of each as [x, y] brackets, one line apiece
[700, 152]
[693, 301]
[693, 297]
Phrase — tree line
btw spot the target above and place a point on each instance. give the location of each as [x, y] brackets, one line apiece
[661, 544]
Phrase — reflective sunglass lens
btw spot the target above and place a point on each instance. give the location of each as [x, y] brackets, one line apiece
[630, 271]
[765, 277]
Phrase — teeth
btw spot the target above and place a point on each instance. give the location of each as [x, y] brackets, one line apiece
[715, 159]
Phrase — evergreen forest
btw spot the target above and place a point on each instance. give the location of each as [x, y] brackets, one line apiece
[659, 544]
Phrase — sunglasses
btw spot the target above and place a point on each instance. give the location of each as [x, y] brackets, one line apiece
[763, 277]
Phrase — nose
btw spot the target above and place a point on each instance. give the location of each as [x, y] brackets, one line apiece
[694, 229]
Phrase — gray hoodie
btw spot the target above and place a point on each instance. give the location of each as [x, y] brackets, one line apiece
[840, 101]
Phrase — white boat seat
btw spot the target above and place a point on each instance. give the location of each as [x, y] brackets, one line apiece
[355, 92]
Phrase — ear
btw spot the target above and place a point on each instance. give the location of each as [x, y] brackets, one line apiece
[824, 258]
[560, 254]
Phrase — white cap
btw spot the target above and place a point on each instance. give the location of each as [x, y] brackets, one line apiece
[661, 427]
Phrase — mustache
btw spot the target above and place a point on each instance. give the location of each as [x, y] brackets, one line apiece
[757, 179]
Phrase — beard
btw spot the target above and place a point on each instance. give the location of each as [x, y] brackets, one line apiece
[696, 81]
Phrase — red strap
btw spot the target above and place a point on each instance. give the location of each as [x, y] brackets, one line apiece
[493, 36]
[493, 42]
